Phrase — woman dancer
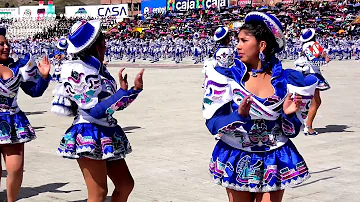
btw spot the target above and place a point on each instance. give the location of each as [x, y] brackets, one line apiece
[312, 58]
[89, 92]
[224, 54]
[60, 57]
[15, 129]
[255, 107]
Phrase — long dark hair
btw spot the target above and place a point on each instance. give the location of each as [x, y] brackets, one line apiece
[262, 33]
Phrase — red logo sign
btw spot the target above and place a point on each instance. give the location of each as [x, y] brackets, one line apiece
[316, 49]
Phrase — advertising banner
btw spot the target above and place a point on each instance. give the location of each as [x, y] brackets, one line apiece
[119, 11]
[184, 5]
[243, 2]
[34, 11]
[72, 11]
[14, 12]
[153, 6]
[258, 2]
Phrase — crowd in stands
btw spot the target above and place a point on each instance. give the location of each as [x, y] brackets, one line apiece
[329, 18]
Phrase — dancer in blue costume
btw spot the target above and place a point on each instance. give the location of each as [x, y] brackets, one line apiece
[60, 57]
[89, 93]
[224, 53]
[312, 58]
[255, 107]
[15, 129]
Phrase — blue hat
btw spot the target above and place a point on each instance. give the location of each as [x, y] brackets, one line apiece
[307, 34]
[273, 23]
[220, 33]
[82, 35]
[62, 43]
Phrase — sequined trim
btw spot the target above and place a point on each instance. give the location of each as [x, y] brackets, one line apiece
[263, 189]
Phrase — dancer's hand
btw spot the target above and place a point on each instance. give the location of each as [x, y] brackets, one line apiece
[292, 105]
[44, 67]
[244, 107]
[123, 80]
[327, 58]
[138, 82]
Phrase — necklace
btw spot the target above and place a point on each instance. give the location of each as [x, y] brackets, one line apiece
[254, 72]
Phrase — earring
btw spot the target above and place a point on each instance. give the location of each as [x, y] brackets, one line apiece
[262, 56]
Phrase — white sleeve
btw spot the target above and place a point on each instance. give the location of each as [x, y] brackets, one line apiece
[61, 105]
[302, 65]
[29, 71]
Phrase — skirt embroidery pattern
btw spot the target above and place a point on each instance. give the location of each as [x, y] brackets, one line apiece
[94, 142]
[252, 172]
[16, 129]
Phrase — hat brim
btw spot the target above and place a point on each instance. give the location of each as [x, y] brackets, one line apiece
[226, 33]
[259, 17]
[309, 38]
[97, 25]
[61, 48]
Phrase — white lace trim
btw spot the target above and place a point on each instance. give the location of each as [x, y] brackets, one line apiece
[62, 111]
[22, 140]
[262, 189]
[110, 156]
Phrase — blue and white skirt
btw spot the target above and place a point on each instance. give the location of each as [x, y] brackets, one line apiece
[15, 129]
[94, 142]
[323, 84]
[257, 171]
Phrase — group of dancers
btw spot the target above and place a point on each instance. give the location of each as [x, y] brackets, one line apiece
[197, 47]
[252, 105]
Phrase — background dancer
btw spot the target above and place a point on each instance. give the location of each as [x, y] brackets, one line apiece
[60, 57]
[224, 53]
[313, 57]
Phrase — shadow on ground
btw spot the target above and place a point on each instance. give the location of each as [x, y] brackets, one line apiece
[34, 113]
[85, 200]
[325, 170]
[128, 129]
[37, 129]
[334, 129]
[28, 192]
[314, 181]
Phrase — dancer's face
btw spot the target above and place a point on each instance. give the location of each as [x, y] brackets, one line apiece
[4, 48]
[248, 48]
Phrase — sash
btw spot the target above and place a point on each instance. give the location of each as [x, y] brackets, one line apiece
[6, 92]
[257, 110]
